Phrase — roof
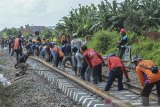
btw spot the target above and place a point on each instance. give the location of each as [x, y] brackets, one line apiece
[35, 28]
[23, 31]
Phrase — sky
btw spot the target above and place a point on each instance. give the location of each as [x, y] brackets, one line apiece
[16, 13]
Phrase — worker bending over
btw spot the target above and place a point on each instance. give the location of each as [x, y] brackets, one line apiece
[21, 64]
[116, 70]
[148, 75]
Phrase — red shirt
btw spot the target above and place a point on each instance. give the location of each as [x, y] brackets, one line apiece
[92, 57]
[114, 62]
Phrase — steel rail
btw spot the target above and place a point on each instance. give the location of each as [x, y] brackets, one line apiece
[135, 88]
[92, 88]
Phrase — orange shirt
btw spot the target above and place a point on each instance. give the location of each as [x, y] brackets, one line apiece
[146, 75]
[58, 51]
[114, 62]
[17, 43]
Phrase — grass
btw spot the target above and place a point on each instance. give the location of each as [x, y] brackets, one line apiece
[105, 42]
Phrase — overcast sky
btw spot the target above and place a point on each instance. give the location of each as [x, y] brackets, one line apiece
[16, 13]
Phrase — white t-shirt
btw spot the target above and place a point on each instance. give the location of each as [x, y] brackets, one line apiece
[77, 43]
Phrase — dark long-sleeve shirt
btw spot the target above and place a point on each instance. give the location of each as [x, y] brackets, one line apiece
[22, 59]
[66, 49]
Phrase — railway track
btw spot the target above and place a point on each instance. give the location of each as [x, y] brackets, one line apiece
[89, 95]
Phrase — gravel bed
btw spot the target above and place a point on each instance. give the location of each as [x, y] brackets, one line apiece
[32, 90]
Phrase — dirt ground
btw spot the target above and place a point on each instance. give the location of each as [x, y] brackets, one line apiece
[31, 90]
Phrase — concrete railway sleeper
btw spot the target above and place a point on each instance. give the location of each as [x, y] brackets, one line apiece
[133, 85]
[136, 89]
[90, 95]
[68, 87]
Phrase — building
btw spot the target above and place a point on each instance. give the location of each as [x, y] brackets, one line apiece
[35, 28]
[32, 30]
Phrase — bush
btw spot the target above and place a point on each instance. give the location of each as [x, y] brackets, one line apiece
[103, 41]
[106, 42]
[148, 49]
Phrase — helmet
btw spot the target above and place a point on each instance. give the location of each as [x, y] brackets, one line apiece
[123, 30]
[111, 54]
[136, 58]
[52, 43]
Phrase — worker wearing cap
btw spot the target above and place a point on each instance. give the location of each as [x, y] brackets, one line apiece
[116, 70]
[148, 75]
[76, 44]
[94, 61]
[122, 42]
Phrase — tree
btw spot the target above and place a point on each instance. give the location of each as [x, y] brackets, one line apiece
[135, 15]
[47, 33]
[10, 32]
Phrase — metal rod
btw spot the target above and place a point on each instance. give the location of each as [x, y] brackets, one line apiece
[141, 95]
[87, 85]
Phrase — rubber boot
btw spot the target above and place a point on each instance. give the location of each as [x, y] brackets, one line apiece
[145, 101]
[158, 100]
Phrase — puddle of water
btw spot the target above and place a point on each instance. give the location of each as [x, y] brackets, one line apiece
[4, 81]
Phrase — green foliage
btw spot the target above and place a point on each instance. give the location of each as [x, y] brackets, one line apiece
[138, 16]
[103, 40]
[26, 35]
[47, 33]
[148, 49]
[10, 32]
[4, 34]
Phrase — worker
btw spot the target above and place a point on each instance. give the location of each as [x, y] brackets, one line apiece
[66, 49]
[10, 44]
[122, 43]
[116, 70]
[57, 54]
[18, 46]
[94, 61]
[63, 39]
[35, 46]
[149, 76]
[79, 58]
[21, 63]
